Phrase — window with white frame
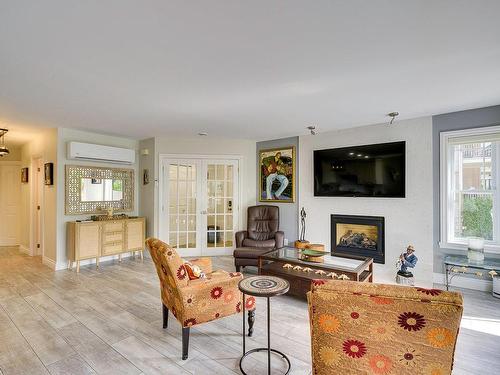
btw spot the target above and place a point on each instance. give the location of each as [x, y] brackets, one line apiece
[470, 181]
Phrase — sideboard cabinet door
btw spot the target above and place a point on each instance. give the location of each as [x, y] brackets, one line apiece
[88, 240]
[135, 234]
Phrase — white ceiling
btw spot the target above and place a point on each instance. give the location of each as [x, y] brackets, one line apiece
[247, 69]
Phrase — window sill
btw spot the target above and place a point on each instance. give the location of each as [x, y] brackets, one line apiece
[488, 248]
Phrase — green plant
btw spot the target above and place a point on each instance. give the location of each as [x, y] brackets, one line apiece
[476, 217]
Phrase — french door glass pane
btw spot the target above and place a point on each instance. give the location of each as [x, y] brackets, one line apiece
[220, 205]
[182, 205]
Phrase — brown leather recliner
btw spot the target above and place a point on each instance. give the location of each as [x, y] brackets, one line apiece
[261, 236]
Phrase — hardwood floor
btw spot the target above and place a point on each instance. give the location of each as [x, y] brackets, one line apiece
[108, 321]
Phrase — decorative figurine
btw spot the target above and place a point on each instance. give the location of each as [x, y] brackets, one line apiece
[407, 260]
[302, 237]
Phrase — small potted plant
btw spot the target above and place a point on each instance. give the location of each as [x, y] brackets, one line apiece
[496, 283]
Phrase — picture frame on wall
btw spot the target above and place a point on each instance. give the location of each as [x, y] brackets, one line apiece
[49, 173]
[277, 175]
[24, 175]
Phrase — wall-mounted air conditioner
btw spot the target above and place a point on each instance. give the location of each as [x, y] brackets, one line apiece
[105, 154]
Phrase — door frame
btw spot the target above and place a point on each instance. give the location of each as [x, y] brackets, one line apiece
[36, 162]
[162, 219]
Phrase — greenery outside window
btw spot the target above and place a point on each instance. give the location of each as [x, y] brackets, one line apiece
[470, 181]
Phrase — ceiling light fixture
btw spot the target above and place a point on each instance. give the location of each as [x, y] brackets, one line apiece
[3, 149]
[312, 129]
[393, 115]
[202, 134]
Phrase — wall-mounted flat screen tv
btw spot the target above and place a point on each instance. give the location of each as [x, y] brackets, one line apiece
[376, 170]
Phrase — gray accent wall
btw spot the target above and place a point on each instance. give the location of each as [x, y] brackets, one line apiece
[289, 212]
[474, 118]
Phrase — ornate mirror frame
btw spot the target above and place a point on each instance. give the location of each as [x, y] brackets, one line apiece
[74, 175]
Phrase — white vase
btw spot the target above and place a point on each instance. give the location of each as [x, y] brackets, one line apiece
[475, 251]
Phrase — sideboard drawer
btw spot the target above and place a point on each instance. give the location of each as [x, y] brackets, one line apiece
[113, 226]
[112, 237]
[112, 248]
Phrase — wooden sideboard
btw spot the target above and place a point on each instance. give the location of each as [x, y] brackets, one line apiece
[95, 239]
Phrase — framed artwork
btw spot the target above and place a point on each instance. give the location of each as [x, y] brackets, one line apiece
[24, 175]
[145, 177]
[277, 175]
[49, 173]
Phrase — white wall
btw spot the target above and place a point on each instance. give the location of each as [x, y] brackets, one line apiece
[148, 208]
[64, 136]
[202, 146]
[407, 220]
[44, 146]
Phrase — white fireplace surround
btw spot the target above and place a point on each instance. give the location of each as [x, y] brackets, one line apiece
[407, 220]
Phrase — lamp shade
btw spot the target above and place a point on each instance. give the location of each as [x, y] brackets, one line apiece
[3, 150]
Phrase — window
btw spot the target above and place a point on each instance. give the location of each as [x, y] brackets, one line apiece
[470, 181]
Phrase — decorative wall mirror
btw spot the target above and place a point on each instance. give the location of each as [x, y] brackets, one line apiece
[92, 190]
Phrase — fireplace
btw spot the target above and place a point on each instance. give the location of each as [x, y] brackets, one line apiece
[358, 236]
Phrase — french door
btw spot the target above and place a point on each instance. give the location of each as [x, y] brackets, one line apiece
[199, 205]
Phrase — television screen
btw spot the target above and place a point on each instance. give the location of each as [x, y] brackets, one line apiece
[361, 171]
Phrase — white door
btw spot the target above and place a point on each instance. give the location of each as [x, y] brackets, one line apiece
[180, 206]
[199, 205]
[10, 193]
[220, 201]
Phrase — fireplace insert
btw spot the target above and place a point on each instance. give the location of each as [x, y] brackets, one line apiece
[358, 235]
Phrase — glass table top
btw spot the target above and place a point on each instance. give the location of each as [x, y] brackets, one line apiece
[333, 262]
[462, 260]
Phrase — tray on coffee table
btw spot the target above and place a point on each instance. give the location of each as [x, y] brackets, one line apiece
[286, 263]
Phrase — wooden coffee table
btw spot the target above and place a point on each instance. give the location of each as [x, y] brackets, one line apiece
[281, 263]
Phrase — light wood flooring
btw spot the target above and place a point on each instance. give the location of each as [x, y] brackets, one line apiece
[108, 321]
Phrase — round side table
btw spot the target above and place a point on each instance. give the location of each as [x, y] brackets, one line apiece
[263, 286]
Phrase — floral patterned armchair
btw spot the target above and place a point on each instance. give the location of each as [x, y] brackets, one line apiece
[196, 301]
[364, 328]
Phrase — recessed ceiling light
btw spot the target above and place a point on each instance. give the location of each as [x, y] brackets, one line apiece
[360, 155]
[203, 134]
[366, 156]
[351, 153]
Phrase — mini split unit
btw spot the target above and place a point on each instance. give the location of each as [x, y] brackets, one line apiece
[105, 154]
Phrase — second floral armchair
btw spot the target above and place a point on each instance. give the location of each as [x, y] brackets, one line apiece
[196, 301]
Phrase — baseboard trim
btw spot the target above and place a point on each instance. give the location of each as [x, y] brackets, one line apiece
[464, 282]
[49, 262]
[25, 250]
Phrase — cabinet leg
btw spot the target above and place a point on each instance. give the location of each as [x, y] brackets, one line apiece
[97, 262]
[142, 255]
[69, 264]
[77, 266]
[119, 258]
